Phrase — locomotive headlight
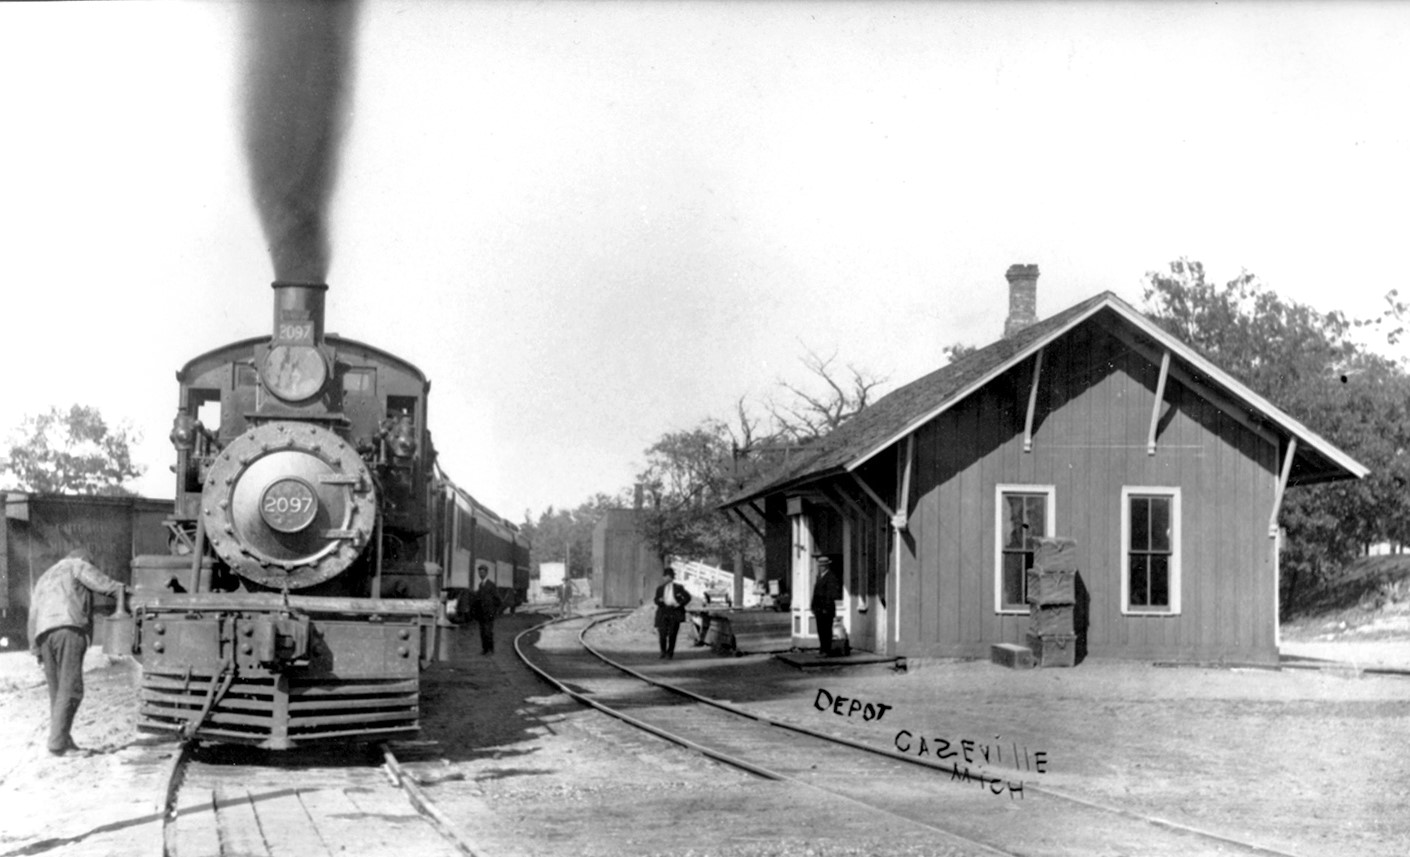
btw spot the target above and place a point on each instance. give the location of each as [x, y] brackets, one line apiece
[288, 505]
[294, 372]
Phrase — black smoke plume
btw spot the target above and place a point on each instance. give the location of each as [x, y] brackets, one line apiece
[299, 55]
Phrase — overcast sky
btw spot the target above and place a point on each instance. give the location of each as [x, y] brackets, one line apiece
[592, 223]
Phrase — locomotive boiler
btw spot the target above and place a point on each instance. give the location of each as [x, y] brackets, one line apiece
[303, 590]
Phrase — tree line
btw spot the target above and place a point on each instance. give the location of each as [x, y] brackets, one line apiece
[1319, 367]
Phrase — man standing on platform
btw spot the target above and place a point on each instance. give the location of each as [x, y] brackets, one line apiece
[60, 625]
[671, 599]
[485, 608]
[827, 591]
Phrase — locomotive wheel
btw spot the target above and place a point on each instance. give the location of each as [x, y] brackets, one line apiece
[289, 504]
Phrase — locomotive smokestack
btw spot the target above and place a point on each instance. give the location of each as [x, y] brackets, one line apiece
[300, 61]
[298, 312]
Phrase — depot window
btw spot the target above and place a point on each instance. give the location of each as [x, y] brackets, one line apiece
[1150, 556]
[1023, 514]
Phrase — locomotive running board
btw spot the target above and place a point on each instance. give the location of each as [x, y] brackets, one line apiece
[216, 601]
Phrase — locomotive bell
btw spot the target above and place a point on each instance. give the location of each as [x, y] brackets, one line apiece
[283, 501]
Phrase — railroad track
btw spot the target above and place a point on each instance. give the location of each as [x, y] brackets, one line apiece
[230, 801]
[966, 812]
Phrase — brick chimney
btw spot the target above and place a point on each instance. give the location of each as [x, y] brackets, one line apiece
[1023, 298]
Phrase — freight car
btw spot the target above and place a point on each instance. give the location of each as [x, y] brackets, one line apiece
[475, 537]
[303, 590]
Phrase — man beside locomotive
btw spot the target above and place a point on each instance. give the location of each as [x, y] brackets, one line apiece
[827, 589]
[484, 608]
[671, 599]
[60, 626]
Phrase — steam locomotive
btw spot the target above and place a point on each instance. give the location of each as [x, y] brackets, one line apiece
[314, 544]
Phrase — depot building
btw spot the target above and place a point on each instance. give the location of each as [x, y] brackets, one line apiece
[1093, 424]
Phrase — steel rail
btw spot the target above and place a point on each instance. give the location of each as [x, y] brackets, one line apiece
[404, 780]
[726, 758]
[678, 740]
[171, 787]
[949, 768]
[424, 805]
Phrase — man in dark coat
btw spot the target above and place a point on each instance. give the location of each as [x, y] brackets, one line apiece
[484, 607]
[671, 599]
[827, 591]
[60, 624]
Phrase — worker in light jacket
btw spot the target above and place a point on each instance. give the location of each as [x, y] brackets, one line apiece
[671, 599]
[60, 626]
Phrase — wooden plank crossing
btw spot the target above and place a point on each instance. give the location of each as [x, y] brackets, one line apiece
[288, 829]
[237, 823]
[280, 820]
[335, 811]
[196, 830]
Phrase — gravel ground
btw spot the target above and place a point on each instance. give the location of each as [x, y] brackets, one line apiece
[1312, 762]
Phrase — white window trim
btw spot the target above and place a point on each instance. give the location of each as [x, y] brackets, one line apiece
[1049, 530]
[1175, 554]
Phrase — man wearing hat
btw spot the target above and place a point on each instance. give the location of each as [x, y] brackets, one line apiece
[827, 591]
[671, 599]
[60, 625]
[484, 607]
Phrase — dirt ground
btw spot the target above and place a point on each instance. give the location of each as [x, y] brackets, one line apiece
[1307, 761]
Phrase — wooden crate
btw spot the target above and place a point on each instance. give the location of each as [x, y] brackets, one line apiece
[1055, 554]
[1051, 587]
[1055, 650]
[1011, 655]
[760, 631]
[1051, 619]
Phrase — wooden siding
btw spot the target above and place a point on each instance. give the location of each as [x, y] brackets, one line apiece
[625, 571]
[1093, 416]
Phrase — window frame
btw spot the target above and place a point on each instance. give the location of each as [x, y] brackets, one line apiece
[1176, 549]
[1049, 530]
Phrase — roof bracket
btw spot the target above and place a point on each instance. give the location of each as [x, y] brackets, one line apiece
[1032, 402]
[875, 498]
[745, 518]
[1282, 486]
[1159, 400]
[903, 501]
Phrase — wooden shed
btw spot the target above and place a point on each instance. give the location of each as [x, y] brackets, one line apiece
[38, 530]
[1094, 425]
[625, 571]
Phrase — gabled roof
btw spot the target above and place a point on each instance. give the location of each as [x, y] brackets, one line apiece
[894, 416]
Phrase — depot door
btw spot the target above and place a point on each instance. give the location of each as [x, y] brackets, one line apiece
[805, 633]
[817, 529]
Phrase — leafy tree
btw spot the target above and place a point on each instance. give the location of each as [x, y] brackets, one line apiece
[72, 452]
[688, 474]
[565, 535]
[1307, 363]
